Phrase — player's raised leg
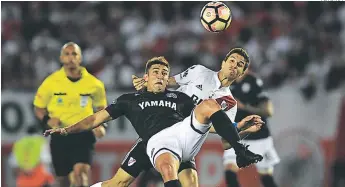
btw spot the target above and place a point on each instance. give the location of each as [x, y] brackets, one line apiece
[209, 111]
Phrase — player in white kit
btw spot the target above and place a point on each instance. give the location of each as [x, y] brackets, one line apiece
[202, 83]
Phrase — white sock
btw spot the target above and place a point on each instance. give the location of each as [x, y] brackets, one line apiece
[97, 185]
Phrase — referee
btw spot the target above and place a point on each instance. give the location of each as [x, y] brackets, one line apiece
[64, 98]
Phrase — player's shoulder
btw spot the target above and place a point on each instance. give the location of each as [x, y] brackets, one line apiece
[92, 80]
[53, 76]
[201, 68]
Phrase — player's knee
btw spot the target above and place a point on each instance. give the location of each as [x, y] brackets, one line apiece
[81, 171]
[188, 178]
[207, 107]
[232, 167]
[167, 166]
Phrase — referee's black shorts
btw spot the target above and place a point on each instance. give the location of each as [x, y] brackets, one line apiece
[136, 160]
[68, 150]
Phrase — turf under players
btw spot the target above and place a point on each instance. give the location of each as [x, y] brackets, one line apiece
[174, 132]
[64, 98]
[248, 91]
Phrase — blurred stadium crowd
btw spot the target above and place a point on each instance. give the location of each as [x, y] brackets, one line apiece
[301, 42]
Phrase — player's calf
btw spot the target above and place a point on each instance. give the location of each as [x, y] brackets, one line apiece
[167, 165]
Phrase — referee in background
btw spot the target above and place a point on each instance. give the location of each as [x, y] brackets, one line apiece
[64, 98]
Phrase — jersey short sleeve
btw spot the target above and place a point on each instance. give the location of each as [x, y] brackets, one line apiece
[189, 75]
[118, 107]
[100, 99]
[43, 94]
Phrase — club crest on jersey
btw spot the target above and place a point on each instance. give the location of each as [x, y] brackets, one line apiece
[131, 161]
[226, 102]
[160, 103]
[173, 95]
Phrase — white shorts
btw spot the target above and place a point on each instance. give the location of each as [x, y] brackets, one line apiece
[263, 147]
[184, 140]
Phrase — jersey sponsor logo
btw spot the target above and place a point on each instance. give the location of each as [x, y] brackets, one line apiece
[199, 86]
[173, 95]
[160, 103]
[196, 99]
[131, 161]
[60, 93]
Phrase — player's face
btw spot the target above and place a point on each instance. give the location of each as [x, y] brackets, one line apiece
[157, 78]
[233, 68]
[71, 57]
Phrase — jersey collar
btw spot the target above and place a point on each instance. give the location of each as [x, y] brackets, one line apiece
[82, 69]
[218, 83]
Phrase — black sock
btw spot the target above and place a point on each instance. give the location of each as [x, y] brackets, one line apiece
[224, 128]
[173, 183]
[231, 179]
[268, 181]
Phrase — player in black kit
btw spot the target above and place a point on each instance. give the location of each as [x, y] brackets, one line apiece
[251, 99]
[157, 110]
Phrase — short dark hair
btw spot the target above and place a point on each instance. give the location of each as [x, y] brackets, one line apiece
[156, 60]
[241, 52]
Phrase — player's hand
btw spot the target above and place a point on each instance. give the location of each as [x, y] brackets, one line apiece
[249, 121]
[252, 129]
[99, 132]
[61, 131]
[54, 123]
[139, 83]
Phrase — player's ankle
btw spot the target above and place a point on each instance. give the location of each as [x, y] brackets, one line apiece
[172, 183]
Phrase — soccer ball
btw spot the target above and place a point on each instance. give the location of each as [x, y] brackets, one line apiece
[215, 16]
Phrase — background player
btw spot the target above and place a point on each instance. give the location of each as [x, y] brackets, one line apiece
[172, 108]
[248, 91]
[65, 97]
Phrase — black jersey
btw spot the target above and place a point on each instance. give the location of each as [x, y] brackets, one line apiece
[250, 91]
[150, 113]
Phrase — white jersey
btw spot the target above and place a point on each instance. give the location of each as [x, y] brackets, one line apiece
[201, 83]
[184, 139]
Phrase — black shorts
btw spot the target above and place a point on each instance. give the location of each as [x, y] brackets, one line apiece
[68, 150]
[136, 160]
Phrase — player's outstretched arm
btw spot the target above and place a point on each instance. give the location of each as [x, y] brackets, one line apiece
[86, 124]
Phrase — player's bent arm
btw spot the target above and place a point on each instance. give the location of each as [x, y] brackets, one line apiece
[89, 122]
[40, 112]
